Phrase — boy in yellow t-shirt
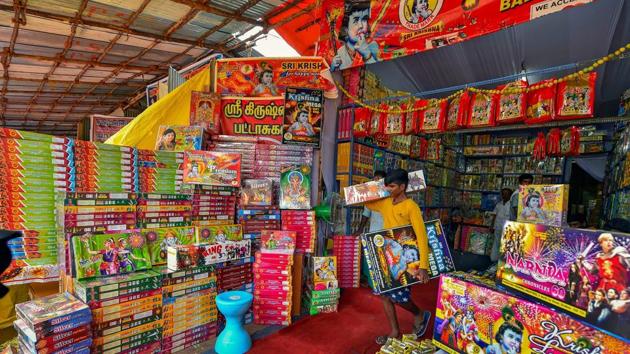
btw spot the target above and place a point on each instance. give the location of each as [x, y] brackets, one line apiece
[398, 210]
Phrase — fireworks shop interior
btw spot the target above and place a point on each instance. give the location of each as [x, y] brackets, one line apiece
[421, 176]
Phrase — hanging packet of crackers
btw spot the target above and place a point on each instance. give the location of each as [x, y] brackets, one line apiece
[458, 111]
[541, 103]
[576, 97]
[361, 126]
[395, 123]
[433, 118]
[482, 106]
[511, 103]
[378, 121]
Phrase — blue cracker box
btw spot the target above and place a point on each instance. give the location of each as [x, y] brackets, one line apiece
[53, 313]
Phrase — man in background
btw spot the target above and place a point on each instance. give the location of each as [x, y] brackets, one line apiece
[501, 213]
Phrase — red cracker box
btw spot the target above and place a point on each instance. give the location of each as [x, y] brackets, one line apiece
[149, 348]
[127, 309]
[54, 341]
[142, 296]
[136, 340]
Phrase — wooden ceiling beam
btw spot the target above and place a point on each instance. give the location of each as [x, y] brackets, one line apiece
[108, 26]
[102, 56]
[202, 6]
[19, 18]
[93, 63]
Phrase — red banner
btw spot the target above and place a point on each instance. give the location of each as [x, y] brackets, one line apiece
[269, 77]
[356, 32]
[252, 116]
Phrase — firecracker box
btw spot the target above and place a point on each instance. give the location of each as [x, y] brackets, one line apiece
[473, 316]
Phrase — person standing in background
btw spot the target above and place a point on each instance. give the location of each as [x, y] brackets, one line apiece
[501, 215]
[376, 223]
[523, 180]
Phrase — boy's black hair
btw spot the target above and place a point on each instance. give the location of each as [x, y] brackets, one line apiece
[397, 176]
[380, 173]
[350, 7]
[506, 326]
[525, 176]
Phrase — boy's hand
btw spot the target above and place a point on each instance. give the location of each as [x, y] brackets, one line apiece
[422, 275]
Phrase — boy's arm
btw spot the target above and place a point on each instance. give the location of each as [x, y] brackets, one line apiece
[421, 236]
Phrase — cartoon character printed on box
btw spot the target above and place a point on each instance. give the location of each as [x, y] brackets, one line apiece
[194, 170]
[399, 257]
[357, 48]
[167, 140]
[532, 207]
[109, 255]
[126, 257]
[301, 126]
[508, 338]
[451, 328]
[469, 334]
[265, 87]
[170, 239]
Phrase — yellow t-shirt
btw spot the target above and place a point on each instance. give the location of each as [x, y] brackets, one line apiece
[404, 213]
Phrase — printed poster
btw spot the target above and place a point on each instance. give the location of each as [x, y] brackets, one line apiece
[269, 77]
[212, 168]
[179, 138]
[303, 113]
[103, 255]
[355, 32]
[393, 258]
[585, 273]
[246, 116]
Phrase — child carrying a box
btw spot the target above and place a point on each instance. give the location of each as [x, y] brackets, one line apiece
[398, 210]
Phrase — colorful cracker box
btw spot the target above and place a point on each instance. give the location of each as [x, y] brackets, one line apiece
[276, 241]
[257, 192]
[179, 138]
[303, 113]
[205, 111]
[324, 273]
[545, 204]
[375, 190]
[393, 258]
[109, 254]
[159, 239]
[295, 187]
[212, 168]
[585, 273]
[219, 233]
[472, 316]
[187, 256]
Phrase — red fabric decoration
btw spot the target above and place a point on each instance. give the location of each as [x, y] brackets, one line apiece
[511, 107]
[570, 143]
[553, 142]
[539, 147]
[576, 98]
[540, 103]
[424, 145]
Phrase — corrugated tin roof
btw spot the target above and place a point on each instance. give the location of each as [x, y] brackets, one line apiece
[67, 59]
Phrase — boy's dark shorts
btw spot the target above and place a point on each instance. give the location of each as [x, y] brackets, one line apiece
[399, 296]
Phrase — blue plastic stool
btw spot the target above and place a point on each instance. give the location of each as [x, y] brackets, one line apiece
[234, 339]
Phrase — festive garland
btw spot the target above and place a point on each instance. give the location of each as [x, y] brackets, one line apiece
[509, 90]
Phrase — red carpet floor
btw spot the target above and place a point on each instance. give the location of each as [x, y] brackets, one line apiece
[352, 330]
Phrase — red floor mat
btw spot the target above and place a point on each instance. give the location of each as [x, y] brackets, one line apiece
[352, 330]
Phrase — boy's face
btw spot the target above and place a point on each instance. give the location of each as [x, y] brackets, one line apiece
[358, 26]
[395, 190]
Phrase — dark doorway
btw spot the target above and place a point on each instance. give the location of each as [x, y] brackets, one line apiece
[585, 198]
